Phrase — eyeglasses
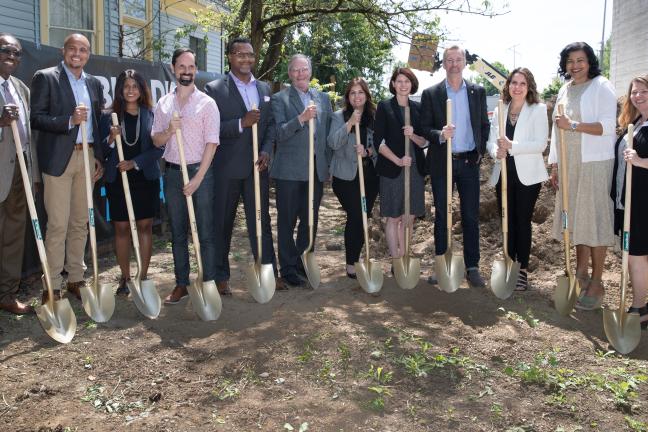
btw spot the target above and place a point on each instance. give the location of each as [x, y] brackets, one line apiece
[636, 93]
[299, 70]
[244, 55]
[10, 51]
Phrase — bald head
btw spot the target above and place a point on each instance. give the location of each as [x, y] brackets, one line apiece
[77, 37]
[76, 52]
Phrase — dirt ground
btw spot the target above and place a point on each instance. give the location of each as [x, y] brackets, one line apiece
[334, 359]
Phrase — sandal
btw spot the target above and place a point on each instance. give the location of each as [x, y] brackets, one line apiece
[522, 282]
[122, 288]
[587, 302]
[643, 313]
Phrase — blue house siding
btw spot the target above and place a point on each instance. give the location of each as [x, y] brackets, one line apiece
[20, 18]
[111, 27]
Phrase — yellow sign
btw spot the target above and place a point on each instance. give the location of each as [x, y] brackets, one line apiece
[422, 52]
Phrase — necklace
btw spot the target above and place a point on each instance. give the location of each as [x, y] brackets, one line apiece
[137, 130]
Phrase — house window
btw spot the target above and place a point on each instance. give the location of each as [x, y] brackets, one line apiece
[200, 48]
[71, 16]
[136, 35]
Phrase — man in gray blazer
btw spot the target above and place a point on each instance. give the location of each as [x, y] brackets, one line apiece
[14, 103]
[290, 165]
[236, 94]
[56, 113]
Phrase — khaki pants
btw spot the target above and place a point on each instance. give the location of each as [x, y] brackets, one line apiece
[12, 237]
[67, 219]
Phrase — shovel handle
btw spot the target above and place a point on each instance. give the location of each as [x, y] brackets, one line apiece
[504, 177]
[89, 187]
[257, 187]
[311, 179]
[449, 173]
[563, 182]
[626, 225]
[363, 194]
[406, 176]
[190, 206]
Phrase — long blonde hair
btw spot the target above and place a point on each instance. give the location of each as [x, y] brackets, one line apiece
[629, 112]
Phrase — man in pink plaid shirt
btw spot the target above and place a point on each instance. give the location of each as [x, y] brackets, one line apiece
[199, 121]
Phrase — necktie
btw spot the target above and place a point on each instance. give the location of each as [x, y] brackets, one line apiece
[9, 99]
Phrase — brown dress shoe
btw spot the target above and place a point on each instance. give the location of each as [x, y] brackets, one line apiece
[74, 288]
[178, 293]
[16, 307]
[223, 288]
[57, 296]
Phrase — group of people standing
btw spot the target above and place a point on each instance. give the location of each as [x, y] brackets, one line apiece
[216, 126]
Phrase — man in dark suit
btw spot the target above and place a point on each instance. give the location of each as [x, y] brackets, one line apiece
[14, 104]
[291, 111]
[469, 132]
[57, 115]
[236, 94]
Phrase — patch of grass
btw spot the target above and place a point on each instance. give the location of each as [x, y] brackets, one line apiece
[345, 355]
[226, 390]
[636, 425]
[90, 325]
[496, 410]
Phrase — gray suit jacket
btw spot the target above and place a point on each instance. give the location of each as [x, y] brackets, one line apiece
[344, 164]
[8, 147]
[291, 155]
[234, 155]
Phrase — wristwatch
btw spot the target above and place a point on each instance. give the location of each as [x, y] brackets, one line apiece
[574, 125]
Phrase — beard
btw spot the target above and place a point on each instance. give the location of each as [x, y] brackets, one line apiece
[186, 80]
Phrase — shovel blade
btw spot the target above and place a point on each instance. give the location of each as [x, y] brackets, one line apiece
[407, 271]
[623, 330]
[145, 296]
[450, 271]
[260, 281]
[504, 278]
[566, 294]
[370, 277]
[58, 320]
[205, 299]
[98, 301]
[311, 268]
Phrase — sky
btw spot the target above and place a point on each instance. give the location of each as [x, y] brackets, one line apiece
[536, 30]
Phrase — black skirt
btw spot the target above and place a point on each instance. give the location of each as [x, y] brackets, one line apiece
[145, 195]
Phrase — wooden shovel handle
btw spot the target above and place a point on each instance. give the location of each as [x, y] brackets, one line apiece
[449, 173]
[363, 194]
[504, 176]
[257, 187]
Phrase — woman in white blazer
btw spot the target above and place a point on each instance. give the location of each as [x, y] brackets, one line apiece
[521, 149]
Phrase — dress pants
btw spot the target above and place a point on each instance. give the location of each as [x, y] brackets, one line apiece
[67, 219]
[12, 237]
[348, 193]
[292, 203]
[227, 198]
[465, 174]
[521, 202]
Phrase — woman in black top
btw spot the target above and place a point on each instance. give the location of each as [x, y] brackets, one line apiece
[389, 135]
[133, 107]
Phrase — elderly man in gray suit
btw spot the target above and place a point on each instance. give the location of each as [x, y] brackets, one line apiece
[236, 95]
[14, 100]
[290, 165]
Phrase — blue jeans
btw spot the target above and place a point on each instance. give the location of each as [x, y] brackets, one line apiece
[203, 201]
[465, 174]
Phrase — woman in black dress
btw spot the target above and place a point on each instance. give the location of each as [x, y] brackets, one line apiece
[389, 135]
[133, 107]
[635, 111]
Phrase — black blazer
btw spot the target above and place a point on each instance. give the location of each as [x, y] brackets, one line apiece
[388, 126]
[234, 155]
[433, 118]
[52, 105]
[147, 160]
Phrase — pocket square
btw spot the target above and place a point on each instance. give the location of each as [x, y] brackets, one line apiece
[266, 98]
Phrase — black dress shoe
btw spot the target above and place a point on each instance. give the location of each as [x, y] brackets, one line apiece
[352, 275]
[293, 280]
[302, 273]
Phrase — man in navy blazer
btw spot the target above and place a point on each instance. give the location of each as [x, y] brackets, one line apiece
[469, 132]
[292, 112]
[236, 95]
[57, 94]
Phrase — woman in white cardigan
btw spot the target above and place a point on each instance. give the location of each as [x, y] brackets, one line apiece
[589, 123]
[521, 149]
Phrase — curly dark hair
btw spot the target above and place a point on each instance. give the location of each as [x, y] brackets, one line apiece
[594, 68]
[532, 96]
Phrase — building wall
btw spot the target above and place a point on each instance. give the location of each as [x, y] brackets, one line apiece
[18, 18]
[629, 42]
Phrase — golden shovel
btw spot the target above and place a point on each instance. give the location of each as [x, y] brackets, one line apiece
[56, 317]
[505, 272]
[143, 292]
[259, 277]
[98, 299]
[204, 295]
[623, 329]
[568, 288]
[309, 260]
[449, 268]
[369, 274]
[407, 270]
